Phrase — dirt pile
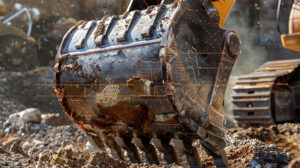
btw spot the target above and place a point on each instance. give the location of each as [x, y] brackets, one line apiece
[243, 151]
[286, 136]
[40, 145]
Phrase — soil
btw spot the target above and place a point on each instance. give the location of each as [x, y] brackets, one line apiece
[39, 145]
[286, 136]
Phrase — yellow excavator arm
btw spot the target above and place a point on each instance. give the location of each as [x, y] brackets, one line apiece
[224, 8]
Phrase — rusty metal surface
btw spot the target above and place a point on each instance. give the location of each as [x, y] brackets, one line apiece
[149, 75]
[267, 95]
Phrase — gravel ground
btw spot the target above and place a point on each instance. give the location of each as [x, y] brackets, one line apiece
[8, 107]
[40, 145]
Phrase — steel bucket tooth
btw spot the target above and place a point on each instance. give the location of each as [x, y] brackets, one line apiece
[159, 151]
[123, 150]
[142, 152]
[179, 152]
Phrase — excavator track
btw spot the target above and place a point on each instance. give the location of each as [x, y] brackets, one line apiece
[148, 86]
[268, 95]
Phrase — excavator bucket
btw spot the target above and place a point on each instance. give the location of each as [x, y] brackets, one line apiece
[148, 86]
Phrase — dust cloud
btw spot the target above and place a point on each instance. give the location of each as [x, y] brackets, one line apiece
[252, 56]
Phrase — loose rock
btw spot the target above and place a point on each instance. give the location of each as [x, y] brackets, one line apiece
[270, 157]
[65, 146]
[29, 115]
[16, 148]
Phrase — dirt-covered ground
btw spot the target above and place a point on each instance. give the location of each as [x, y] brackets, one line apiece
[41, 145]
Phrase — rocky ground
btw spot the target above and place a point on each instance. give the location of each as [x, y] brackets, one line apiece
[27, 144]
[34, 140]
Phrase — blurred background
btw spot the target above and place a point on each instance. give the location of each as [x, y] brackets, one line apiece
[31, 31]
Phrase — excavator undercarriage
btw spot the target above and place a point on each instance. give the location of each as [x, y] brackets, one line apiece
[148, 86]
[269, 95]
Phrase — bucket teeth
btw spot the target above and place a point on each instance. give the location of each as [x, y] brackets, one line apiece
[222, 160]
[159, 151]
[96, 142]
[112, 153]
[179, 152]
[158, 148]
[140, 150]
[212, 140]
[124, 152]
[197, 152]
[107, 146]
